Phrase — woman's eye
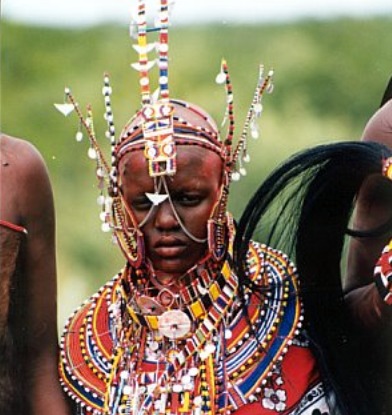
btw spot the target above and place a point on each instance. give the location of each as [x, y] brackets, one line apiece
[142, 203]
[188, 199]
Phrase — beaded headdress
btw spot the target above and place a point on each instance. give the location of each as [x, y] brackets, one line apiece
[156, 129]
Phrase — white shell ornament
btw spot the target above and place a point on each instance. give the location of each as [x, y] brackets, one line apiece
[79, 136]
[65, 109]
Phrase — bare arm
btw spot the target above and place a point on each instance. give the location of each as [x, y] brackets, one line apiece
[35, 201]
[374, 207]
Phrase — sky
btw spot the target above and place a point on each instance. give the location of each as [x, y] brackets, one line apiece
[89, 12]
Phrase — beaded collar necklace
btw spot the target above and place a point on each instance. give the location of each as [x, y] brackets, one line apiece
[192, 295]
[223, 364]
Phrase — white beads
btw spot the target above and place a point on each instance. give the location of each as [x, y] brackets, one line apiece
[154, 346]
[100, 172]
[177, 388]
[106, 90]
[210, 348]
[254, 130]
[92, 154]
[163, 47]
[228, 334]
[193, 371]
[186, 379]
[258, 108]
[101, 200]
[235, 176]
[242, 171]
[163, 80]
[144, 81]
[246, 158]
[220, 78]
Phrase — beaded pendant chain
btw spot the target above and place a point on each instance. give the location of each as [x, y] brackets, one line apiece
[184, 367]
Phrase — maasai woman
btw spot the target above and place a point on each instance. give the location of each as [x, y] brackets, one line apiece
[194, 323]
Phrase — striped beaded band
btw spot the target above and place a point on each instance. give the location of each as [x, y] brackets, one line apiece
[184, 132]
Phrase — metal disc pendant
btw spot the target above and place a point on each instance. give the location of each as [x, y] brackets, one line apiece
[174, 324]
[148, 305]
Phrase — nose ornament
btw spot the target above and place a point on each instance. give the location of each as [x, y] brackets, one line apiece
[156, 198]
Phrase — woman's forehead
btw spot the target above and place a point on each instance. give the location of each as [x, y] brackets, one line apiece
[188, 157]
[196, 167]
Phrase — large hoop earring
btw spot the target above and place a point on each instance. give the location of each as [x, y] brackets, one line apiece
[130, 240]
[217, 238]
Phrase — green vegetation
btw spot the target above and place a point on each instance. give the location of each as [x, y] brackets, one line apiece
[330, 76]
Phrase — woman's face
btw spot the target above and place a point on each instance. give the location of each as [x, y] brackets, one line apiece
[194, 190]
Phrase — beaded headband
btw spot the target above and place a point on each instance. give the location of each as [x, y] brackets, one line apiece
[157, 129]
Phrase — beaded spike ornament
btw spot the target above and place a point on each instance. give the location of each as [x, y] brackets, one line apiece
[159, 137]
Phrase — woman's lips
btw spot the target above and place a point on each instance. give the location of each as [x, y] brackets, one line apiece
[170, 251]
[169, 247]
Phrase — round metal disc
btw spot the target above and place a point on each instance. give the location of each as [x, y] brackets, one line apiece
[148, 305]
[174, 324]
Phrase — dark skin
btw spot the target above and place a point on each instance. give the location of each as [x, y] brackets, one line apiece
[27, 201]
[193, 189]
[374, 207]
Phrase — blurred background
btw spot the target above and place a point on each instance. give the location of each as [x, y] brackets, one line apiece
[332, 62]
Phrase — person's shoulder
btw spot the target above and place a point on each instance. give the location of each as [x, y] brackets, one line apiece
[15, 146]
[379, 126]
[26, 182]
[21, 156]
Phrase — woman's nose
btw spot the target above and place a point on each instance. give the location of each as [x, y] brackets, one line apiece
[165, 217]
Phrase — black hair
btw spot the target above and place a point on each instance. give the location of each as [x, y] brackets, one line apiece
[303, 208]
